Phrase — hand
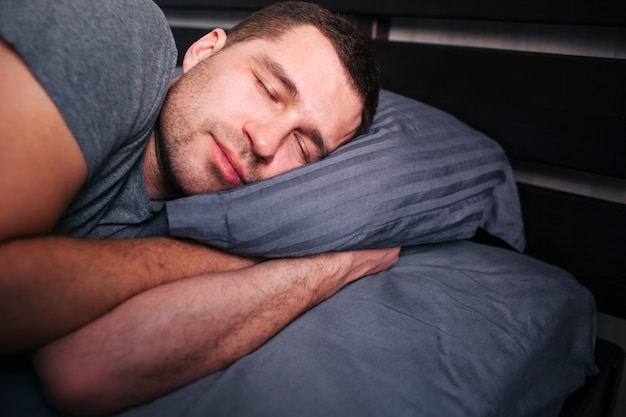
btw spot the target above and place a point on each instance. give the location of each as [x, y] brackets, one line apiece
[372, 261]
[352, 265]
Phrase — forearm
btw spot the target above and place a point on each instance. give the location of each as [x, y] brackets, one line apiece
[171, 335]
[53, 285]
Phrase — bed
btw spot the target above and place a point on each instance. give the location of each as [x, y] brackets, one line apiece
[492, 307]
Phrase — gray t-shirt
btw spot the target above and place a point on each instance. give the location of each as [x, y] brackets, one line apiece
[107, 66]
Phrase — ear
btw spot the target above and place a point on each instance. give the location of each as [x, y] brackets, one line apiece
[204, 47]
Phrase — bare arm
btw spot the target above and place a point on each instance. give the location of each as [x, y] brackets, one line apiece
[50, 286]
[171, 335]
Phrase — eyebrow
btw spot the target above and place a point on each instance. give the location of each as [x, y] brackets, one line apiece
[278, 71]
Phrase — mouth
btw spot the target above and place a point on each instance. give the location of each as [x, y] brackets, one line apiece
[228, 166]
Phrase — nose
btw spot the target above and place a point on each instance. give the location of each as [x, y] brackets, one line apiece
[266, 137]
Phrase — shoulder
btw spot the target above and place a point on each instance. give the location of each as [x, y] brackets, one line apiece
[41, 165]
[109, 58]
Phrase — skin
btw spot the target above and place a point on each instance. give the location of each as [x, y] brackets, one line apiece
[116, 315]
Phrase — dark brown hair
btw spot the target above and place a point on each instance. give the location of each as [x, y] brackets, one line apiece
[356, 57]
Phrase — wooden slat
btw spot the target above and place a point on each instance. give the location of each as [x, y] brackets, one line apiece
[562, 110]
[589, 12]
[583, 235]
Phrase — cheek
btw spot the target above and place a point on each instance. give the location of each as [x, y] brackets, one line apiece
[220, 96]
[237, 105]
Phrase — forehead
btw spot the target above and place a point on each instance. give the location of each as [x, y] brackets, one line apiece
[325, 94]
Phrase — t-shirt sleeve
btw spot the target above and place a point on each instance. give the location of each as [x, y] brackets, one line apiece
[105, 64]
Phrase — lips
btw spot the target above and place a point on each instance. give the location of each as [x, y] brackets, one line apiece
[227, 165]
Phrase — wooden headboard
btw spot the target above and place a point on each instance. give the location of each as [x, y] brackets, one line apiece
[547, 80]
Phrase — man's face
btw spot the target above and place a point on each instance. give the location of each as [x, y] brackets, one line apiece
[254, 110]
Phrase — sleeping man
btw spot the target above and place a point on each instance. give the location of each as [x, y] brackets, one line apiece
[95, 135]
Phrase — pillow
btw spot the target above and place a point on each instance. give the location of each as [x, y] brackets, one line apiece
[417, 176]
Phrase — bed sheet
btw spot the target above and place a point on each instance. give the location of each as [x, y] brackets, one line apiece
[453, 329]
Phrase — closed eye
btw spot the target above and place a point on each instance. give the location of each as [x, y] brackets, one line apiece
[268, 91]
[303, 148]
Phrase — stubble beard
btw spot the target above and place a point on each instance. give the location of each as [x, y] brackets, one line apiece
[182, 179]
[173, 186]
